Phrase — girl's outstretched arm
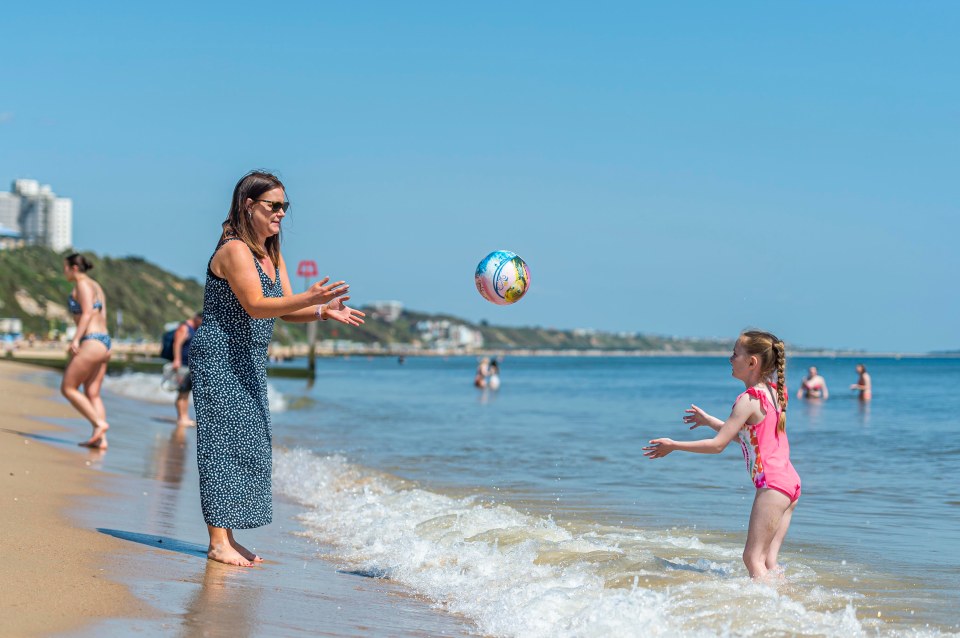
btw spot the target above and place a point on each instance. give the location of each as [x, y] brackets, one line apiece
[738, 417]
[698, 417]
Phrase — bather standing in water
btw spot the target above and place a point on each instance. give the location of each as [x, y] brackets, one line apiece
[814, 386]
[863, 384]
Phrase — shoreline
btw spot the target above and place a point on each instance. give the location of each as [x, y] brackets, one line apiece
[57, 574]
[112, 542]
[147, 353]
[147, 505]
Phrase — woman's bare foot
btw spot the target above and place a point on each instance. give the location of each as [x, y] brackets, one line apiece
[228, 555]
[246, 553]
[95, 444]
[99, 437]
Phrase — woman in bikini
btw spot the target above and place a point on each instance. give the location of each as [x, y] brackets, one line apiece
[814, 386]
[89, 349]
[863, 384]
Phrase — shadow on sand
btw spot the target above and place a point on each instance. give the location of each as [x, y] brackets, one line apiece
[40, 437]
[161, 542]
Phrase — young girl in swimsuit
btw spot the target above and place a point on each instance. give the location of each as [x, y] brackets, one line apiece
[89, 349]
[759, 419]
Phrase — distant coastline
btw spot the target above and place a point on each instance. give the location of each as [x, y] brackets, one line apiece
[146, 300]
[126, 354]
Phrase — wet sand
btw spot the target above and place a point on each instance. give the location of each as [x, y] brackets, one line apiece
[113, 542]
[56, 576]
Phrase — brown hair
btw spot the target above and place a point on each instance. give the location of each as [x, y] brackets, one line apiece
[76, 259]
[238, 224]
[772, 355]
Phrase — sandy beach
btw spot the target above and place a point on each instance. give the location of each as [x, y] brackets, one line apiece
[55, 573]
[113, 542]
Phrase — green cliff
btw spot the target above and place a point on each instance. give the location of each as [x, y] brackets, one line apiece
[142, 295]
[33, 289]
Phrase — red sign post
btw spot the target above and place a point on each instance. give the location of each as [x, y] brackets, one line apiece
[308, 269]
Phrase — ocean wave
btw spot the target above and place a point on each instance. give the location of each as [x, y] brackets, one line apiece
[150, 387]
[517, 574]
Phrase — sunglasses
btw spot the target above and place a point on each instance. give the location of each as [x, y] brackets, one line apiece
[276, 207]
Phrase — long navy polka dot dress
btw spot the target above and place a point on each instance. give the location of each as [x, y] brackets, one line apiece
[228, 365]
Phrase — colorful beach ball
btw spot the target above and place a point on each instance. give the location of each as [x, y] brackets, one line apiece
[502, 277]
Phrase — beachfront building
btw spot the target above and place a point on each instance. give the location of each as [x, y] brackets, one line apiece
[388, 311]
[9, 213]
[447, 335]
[11, 327]
[32, 214]
[11, 331]
[9, 238]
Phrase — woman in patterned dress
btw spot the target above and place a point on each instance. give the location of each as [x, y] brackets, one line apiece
[247, 288]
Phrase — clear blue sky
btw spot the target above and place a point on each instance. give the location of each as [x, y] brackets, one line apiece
[685, 169]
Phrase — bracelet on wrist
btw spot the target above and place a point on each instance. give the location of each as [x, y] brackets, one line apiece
[319, 313]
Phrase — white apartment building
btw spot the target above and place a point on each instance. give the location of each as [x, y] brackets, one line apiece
[446, 335]
[9, 211]
[389, 311]
[36, 213]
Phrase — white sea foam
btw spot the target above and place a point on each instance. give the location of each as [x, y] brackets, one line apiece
[515, 574]
[150, 387]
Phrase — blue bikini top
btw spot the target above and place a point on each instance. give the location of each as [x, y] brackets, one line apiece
[74, 306]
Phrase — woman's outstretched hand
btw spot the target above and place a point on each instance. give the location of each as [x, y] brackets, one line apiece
[339, 311]
[322, 292]
[696, 416]
[659, 448]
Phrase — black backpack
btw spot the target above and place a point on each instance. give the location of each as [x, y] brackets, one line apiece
[166, 344]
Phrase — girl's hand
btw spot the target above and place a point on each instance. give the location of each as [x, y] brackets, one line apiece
[696, 416]
[339, 311]
[659, 448]
[74, 346]
[322, 292]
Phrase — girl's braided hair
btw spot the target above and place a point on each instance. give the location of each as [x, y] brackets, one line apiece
[772, 355]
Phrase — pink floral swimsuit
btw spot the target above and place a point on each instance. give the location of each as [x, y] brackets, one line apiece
[767, 452]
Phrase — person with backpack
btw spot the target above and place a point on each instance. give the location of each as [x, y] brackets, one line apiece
[179, 354]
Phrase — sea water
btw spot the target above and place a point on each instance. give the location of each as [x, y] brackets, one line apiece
[531, 511]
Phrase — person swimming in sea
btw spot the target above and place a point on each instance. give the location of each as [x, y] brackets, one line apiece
[493, 375]
[814, 386]
[863, 384]
[483, 371]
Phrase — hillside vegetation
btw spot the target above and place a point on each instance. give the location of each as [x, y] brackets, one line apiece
[33, 288]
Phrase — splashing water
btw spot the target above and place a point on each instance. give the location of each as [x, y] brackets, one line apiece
[149, 387]
[520, 574]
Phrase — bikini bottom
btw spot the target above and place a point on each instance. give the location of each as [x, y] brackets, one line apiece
[102, 337]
